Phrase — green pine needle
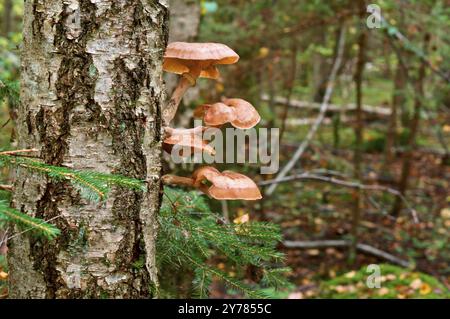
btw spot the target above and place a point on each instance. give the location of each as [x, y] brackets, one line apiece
[93, 185]
[38, 226]
[191, 234]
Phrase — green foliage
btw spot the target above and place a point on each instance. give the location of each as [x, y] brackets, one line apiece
[38, 226]
[396, 282]
[191, 235]
[93, 186]
[9, 91]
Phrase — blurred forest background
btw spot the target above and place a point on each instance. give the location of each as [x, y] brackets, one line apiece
[372, 186]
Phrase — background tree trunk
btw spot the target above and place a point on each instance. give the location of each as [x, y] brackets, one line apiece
[91, 99]
[184, 26]
[398, 103]
[359, 126]
[411, 145]
[7, 17]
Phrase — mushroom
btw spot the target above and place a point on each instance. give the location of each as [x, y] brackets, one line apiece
[193, 60]
[240, 113]
[186, 138]
[246, 114]
[227, 185]
[215, 114]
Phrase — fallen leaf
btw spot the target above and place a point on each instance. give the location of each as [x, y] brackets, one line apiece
[313, 252]
[416, 284]
[3, 275]
[242, 219]
[390, 277]
[383, 291]
[425, 289]
[295, 295]
[445, 213]
[263, 52]
[350, 274]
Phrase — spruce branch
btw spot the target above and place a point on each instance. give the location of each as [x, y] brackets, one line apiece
[38, 226]
[94, 186]
[190, 234]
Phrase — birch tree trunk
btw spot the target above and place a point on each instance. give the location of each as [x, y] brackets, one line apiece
[91, 97]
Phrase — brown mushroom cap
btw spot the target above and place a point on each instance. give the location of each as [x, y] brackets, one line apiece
[202, 173]
[246, 115]
[227, 185]
[184, 57]
[186, 138]
[215, 114]
[238, 112]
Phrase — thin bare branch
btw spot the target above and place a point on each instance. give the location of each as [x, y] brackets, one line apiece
[349, 184]
[31, 228]
[344, 243]
[6, 188]
[323, 108]
[16, 152]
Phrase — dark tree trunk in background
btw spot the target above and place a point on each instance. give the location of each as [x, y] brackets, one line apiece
[413, 131]
[91, 96]
[7, 17]
[289, 84]
[398, 102]
[359, 123]
[320, 67]
[184, 26]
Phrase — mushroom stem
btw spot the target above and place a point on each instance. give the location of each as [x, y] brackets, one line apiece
[177, 180]
[171, 108]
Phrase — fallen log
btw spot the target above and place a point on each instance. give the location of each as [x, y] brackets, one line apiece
[378, 110]
[344, 243]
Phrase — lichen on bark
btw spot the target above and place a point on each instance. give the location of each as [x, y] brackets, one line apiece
[91, 98]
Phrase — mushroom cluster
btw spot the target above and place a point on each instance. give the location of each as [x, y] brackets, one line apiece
[191, 61]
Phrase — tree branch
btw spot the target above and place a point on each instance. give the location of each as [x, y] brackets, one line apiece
[323, 108]
[344, 243]
[349, 184]
[8, 188]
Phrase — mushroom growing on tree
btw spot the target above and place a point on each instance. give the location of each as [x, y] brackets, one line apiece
[227, 185]
[193, 60]
[240, 113]
[190, 138]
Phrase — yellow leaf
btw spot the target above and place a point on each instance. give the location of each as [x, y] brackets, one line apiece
[242, 219]
[219, 87]
[263, 52]
[425, 289]
[241, 211]
[332, 273]
[445, 213]
[313, 252]
[3, 275]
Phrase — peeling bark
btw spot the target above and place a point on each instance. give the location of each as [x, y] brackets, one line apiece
[91, 98]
